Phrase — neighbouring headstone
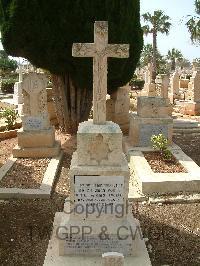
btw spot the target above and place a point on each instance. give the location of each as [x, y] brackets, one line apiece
[99, 173]
[117, 108]
[149, 86]
[37, 136]
[18, 97]
[191, 106]
[174, 86]
[112, 259]
[153, 118]
[162, 85]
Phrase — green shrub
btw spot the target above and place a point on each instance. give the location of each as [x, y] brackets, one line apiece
[7, 85]
[136, 83]
[160, 143]
[10, 117]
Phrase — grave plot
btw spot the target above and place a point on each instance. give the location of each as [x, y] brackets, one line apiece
[99, 176]
[151, 175]
[181, 176]
[28, 178]
[31, 169]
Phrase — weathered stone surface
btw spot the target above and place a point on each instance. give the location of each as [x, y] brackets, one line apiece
[174, 83]
[193, 92]
[141, 129]
[112, 259]
[153, 107]
[99, 144]
[117, 108]
[100, 50]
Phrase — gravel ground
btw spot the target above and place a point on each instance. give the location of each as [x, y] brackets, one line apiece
[173, 230]
[25, 173]
[6, 147]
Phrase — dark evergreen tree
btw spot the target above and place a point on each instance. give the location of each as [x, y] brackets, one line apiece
[43, 32]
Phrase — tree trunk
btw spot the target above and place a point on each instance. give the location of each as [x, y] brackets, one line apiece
[173, 66]
[72, 103]
[154, 72]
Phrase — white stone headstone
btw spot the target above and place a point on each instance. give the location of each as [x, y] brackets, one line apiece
[100, 50]
[35, 112]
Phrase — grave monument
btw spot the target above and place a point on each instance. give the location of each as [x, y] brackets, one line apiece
[149, 86]
[99, 180]
[154, 116]
[36, 138]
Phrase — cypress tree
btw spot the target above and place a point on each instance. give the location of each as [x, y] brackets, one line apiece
[43, 32]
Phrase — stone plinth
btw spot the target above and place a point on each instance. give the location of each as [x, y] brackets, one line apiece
[99, 178]
[153, 118]
[193, 92]
[108, 139]
[117, 108]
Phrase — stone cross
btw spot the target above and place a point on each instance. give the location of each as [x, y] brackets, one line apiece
[33, 84]
[100, 50]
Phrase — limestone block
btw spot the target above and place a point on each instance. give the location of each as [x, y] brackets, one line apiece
[99, 144]
[153, 107]
[150, 89]
[121, 94]
[99, 171]
[112, 259]
[141, 129]
[92, 244]
[190, 108]
[41, 152]
[30, 139]
[18, 97]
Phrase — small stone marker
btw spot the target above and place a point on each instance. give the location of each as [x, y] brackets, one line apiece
[112, 259]
[18, 97]
[148, 74]
[100, 50]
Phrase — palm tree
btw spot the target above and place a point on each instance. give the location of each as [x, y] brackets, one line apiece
[158, 22]
[193, 24]
[174, 55]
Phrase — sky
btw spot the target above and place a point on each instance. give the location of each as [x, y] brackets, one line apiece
[178, 38]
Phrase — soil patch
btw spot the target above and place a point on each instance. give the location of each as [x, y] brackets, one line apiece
[159, 165]
[6, 147]
[25, 173]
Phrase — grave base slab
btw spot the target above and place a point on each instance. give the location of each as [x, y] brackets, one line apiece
[35, 139]
[40, 152]
[151, 183]
[53, 259]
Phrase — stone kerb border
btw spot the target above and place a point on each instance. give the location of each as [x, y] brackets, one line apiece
[162, 183]
[44, 192]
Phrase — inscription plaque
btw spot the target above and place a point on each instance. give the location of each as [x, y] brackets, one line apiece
[33, 123]
[99, 192]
